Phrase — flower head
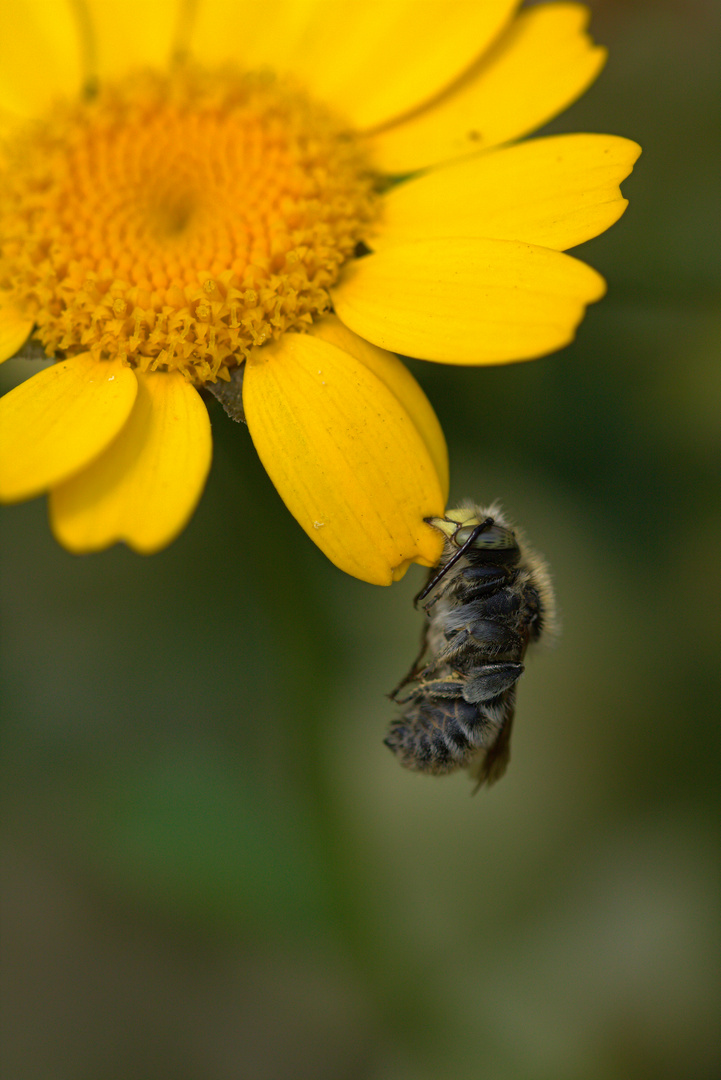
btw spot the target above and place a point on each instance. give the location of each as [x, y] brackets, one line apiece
[198, 202]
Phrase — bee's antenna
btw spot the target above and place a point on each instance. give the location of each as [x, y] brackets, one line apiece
[453, 560]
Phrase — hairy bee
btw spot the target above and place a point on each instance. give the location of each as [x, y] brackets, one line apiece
[487, 598]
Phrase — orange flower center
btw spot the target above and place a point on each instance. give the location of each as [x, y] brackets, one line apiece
[179, 221]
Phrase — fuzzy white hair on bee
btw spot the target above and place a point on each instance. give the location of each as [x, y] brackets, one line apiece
[488, 598]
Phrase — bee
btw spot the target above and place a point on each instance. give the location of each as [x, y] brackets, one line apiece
[486, 600]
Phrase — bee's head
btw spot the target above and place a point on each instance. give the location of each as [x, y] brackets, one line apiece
[481, 531]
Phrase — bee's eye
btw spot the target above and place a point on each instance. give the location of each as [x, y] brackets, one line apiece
[462, 536]
[494, 538]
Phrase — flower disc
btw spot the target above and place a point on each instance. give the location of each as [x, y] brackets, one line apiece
[177, 221]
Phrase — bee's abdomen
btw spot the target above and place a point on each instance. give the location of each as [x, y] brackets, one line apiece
[438, 736]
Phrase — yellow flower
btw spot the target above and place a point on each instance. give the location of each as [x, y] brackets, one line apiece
[191, 193]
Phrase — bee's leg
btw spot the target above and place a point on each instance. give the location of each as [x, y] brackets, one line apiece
[491, 680]
[416, 668]
[433, 600]
[412, 675]
[441, 689]
[417, 674]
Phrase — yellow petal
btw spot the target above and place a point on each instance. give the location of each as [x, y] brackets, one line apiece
[14, 331]
[252, 33]
[467, 301]
[145, 486]
[344, 454]
[375, 62]
[55, 423]
[542, 63]
[372, 62]
[40, 54]
[555, 192]
[132, 33]
[390, 370]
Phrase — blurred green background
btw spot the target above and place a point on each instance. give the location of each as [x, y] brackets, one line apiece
[214, 869]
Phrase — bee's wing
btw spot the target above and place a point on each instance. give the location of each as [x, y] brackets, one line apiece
[492, 764]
